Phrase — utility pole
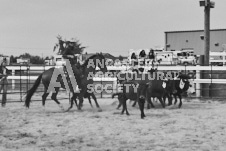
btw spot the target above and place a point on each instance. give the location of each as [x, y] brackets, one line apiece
[207, 33]
[207, 5]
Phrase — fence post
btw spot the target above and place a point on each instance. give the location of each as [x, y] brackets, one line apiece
[101, 94]
[27, 78]
[210, 86]
[20, 86]
[13, 80]
[198, 87]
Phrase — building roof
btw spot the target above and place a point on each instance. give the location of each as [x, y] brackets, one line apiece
[193, 31]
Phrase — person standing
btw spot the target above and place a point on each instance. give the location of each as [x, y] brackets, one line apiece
[142, 59]
[152, 56]
[3, 81]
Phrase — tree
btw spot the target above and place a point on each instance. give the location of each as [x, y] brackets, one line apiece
[33, 59]
[70, 48]
[120, 57]
[13, 59]
[36, 60]
[25, 55]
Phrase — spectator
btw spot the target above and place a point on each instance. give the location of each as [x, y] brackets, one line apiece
[134, 60]
[142, 57]
[3, 81]
[142, 54]
[151, 56]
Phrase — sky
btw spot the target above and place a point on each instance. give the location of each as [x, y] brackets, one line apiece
[108, 26]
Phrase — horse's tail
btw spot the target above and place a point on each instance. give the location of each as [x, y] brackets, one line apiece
[114, 94]
[32, 90]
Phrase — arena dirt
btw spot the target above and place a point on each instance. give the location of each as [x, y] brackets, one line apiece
[198, 125]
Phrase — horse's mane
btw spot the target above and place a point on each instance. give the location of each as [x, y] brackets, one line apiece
[91, 57]
[87, 60]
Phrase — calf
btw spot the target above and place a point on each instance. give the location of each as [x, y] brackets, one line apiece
[133, 91]
[183, 84]
[154, 88]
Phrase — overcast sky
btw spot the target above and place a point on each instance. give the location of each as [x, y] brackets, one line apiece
[113, 26]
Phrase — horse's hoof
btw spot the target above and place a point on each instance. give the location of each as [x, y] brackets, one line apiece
[99, 110]
[68, 110]
[127, 114]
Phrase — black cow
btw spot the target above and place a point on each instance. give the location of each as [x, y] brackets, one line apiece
[154, 88]
[122, 77]
[134, 91]
[167, 78]
[183, 83]
[154, 84]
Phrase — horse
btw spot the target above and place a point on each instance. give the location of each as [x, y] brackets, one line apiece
[80, 73]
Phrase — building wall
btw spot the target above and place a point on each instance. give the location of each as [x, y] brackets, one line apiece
[178, 40]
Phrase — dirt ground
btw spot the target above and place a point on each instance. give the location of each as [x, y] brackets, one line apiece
[198, 125]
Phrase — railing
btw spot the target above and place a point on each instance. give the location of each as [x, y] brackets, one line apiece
[25, 78]
[221, 58]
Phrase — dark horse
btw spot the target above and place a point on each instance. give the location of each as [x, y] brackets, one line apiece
[83, 75]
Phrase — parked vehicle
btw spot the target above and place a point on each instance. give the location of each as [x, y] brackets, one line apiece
[186, 57]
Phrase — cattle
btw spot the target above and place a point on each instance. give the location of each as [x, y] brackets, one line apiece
[155, 84]
[130, 77]
[134, 91]
[183, 83]
[161, 87]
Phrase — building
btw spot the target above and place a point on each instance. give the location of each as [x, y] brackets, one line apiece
[23, 60]
[194, 40]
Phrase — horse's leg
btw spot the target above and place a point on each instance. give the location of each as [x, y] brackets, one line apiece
[180, 104]
[75, 99]
[44, 96]
[95, 99]
[54, 97]
[134, 104]
[71, 102]
[80, 97]
[90, 101]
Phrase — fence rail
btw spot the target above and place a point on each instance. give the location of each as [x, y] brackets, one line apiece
[27, 77]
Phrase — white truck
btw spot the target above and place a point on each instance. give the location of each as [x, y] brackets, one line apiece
[186, 57]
